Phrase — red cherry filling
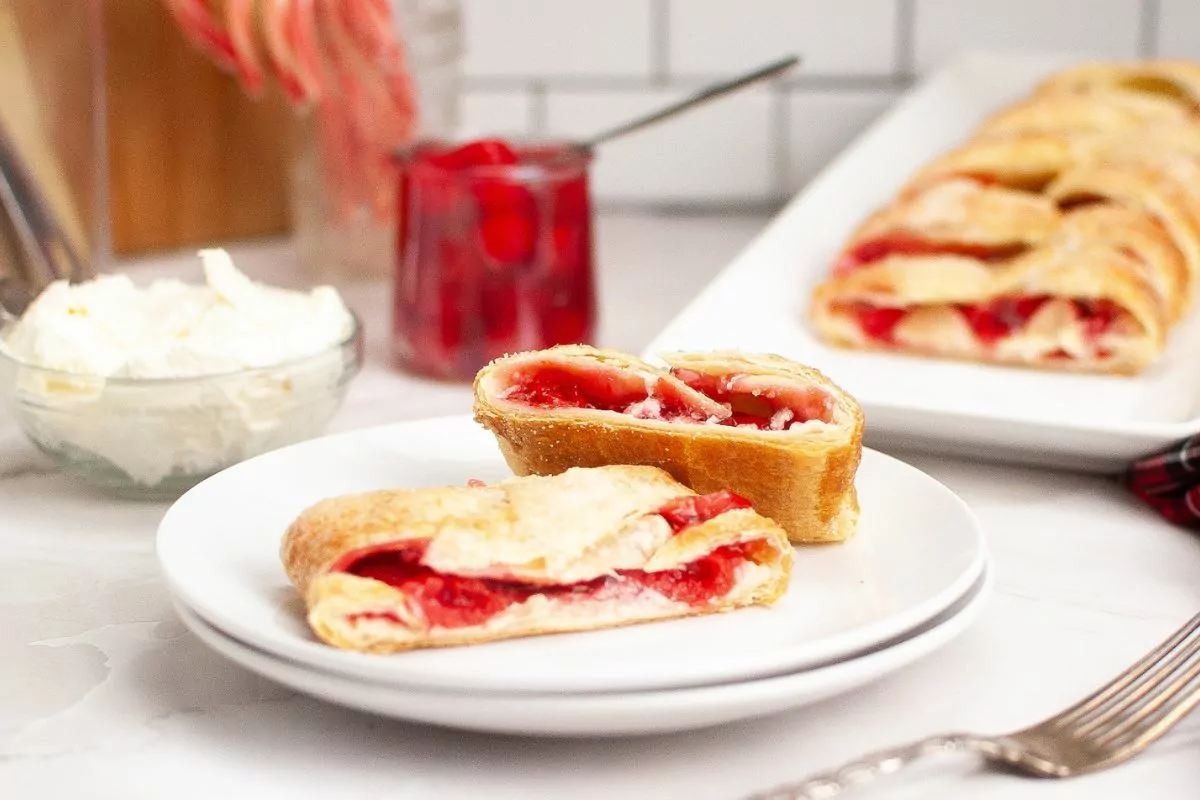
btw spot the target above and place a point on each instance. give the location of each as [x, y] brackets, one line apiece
[1098, 316]
[909, 244]
[508, 221]
[757, 402]
[999, 318]
[880, 323]
[455, 601]
[692, 510]
[494, 255]
[480, 153]
[740, 400]
[605, 390]
[600, 389]
[700, 581]
[994, 320]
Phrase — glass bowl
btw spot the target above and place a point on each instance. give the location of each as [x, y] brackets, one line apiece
[154, 438]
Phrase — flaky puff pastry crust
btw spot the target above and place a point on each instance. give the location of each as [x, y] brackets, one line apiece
[1110, 112]
[1153, 174]
[962, 212]
[1032, 158]
[1132, 233]
[931, 289]
[1105, 161]
[966, 211]
[1026, 161]
[1155, 185]
[522, 529]
[1171, 79]
[802, 478]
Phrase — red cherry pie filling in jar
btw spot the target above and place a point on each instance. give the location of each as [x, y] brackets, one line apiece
[493, 253]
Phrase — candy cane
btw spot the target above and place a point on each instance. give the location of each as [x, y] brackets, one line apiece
[306, 50]
[239, 22]
[370, 24]
[342, 57]
[345, 112]
[275, 20]
[196, 22]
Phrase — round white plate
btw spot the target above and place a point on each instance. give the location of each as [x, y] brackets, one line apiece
[918, 550]
[613, 714]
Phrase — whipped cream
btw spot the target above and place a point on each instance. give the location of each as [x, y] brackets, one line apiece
[101, 336]
[111, 328]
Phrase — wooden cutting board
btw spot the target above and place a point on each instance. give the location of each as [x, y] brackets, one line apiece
[192, 160]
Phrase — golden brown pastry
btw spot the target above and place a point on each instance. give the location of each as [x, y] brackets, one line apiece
[1175, 80]
[1021, 161]
[1139, 236]
[1065, 234]
[1091, 310]
[778, 433]
[966, 216]
[1107, 112]
[589, 548]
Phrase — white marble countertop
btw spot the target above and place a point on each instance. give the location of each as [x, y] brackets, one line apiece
[104, 695]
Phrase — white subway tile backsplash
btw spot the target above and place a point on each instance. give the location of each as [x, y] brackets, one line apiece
[540, 38]
[854, 37]
[508, 113]
[1179, 28]
[822, 123]
[945, 29]
[719, 153]
[572, 67]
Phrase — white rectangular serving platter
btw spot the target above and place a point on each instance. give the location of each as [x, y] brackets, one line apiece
[759, 304]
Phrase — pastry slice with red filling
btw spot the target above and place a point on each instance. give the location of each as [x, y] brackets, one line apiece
[1084, 307]
[971, 217]
[776, 432]
[589, 548]
[1040, 249]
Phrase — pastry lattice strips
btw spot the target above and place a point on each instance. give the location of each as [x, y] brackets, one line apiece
[397, 570]
[773, 431]
[1065, 234]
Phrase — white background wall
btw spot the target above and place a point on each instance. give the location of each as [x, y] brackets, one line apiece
[572, 67]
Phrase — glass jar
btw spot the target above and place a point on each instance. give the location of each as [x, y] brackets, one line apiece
[339, 242]
[493, 254]
[52, 140]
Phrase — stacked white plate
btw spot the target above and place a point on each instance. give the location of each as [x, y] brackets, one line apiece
[916, 575]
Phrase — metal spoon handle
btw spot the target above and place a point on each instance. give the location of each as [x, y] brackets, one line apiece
[47, 248]
[701, 97]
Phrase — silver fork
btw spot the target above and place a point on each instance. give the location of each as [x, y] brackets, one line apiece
[1104, 729]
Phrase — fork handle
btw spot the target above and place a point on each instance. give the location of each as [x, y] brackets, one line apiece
[875, 765]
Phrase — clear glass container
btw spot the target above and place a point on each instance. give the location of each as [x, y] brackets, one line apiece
[52, 140]
[494, 254]
[339, 242]
[155, 438]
